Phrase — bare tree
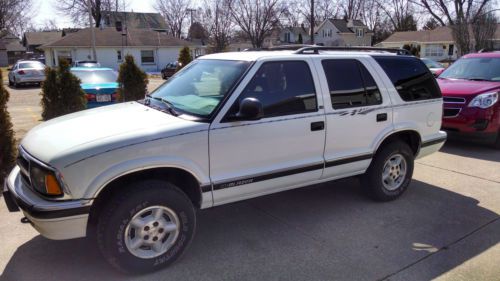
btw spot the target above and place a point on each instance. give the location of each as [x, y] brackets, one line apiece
[216, 18]
[431, 24]
[296, 12]
[484, 30]
[459, 15]
[15, 15]
[352, 9]
[175, 13]
[256, 18]
[78, 10]
[400, 13]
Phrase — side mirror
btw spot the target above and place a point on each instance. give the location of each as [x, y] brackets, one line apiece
[9, 69]
[250, 109]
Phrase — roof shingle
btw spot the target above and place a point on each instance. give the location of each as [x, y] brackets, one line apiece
[109, 37]
[40, 38]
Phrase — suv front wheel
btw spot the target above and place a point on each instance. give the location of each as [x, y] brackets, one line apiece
[390, 172]
[146, 227]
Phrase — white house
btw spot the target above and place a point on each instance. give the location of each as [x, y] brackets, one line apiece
[340, 32]
[151, 50]
[291, 35]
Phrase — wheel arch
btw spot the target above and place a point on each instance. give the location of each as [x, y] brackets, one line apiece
[409, 136]
[182, 178]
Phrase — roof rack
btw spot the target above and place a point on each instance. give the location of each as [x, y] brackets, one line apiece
[316, 49]
[291, 47]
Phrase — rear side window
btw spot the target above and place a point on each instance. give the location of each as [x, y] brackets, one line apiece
[350, 84]
[283, 88]
[411, 77]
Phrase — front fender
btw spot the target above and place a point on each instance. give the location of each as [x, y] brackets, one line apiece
[142, 164]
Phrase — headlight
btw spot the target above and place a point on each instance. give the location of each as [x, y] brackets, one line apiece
[45, 181]
[484, 100]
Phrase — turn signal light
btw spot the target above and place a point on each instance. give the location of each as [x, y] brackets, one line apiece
[52, 185]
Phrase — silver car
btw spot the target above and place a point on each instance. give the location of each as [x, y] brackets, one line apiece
[27, 71]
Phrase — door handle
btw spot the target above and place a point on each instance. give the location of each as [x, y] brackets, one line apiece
[381, 117]
[317, 126]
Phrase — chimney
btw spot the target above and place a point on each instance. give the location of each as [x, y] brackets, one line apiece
[350, 23]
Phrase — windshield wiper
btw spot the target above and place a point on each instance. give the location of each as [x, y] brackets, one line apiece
[168, 105]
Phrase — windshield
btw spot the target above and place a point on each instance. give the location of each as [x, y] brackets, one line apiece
[200, 86]
[96, 76]
[432, 64]
[31, 65]
[487, 69]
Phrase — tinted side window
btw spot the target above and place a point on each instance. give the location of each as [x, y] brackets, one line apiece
[350, 84]
[283, 88]
[411, 77]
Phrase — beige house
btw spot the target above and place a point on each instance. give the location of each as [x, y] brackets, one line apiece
[340, 32]
[436, 44]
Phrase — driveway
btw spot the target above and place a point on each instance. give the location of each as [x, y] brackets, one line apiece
[445, 227]
[25, 110]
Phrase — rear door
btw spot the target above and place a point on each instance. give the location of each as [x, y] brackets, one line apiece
[282, 150]
[358, 113]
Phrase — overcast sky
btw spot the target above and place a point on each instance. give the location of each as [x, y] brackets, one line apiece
[45, 11]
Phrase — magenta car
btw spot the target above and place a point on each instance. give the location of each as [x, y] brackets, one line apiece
[470, 90]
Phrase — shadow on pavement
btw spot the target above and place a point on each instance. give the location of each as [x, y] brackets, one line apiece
[26, 86]
[471, 149]
[322, 232]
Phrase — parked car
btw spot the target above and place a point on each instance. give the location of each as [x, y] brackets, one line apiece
[86, 63]
[470, 90]
[435, 67]
[169, 70]
[99, 84]
[25, 72]
[133, 173]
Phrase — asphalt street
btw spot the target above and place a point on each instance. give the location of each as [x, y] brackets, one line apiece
[446, 227]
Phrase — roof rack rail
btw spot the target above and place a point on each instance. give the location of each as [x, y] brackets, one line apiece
[316, 49]
[291, 47]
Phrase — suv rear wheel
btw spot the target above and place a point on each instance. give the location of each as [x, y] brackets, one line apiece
[147, 227]
[390, 172]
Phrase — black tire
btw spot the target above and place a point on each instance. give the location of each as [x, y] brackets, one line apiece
[16, 85]
[372, 180]
[113, 220]
[10, 82]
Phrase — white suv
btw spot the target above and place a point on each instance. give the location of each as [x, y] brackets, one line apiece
[228, 127]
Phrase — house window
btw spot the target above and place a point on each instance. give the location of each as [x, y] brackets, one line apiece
[119, 55]
[329, 33]
[287, 37]
[434, 50]
[147, 56]
[359, 32]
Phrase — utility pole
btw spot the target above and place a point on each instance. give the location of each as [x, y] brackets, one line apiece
[312, 22]
[191, 13]
[92, 31]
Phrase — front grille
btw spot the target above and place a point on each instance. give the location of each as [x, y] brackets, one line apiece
[451, 112]
[453, 100]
